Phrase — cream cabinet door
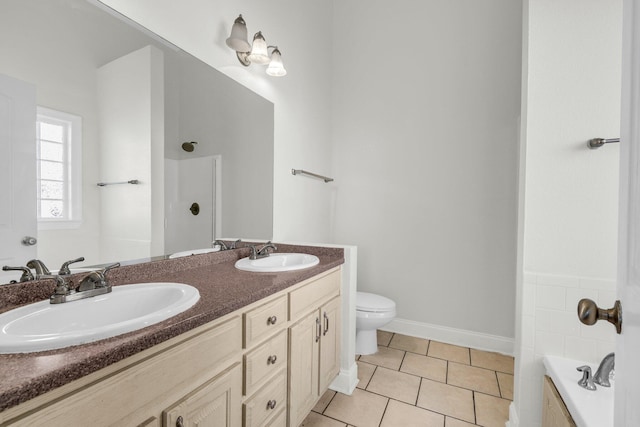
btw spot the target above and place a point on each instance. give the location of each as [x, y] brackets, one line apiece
[329, 344]
[215, 404]
[304, 340]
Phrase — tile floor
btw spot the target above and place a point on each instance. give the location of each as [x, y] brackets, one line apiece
[418, 382]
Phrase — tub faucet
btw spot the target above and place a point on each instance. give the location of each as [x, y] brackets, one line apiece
[606, 366]
[587, 378]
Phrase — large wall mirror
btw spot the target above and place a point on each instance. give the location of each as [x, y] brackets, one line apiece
[138, 100]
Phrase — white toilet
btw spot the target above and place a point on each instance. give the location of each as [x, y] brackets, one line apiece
[372, 312]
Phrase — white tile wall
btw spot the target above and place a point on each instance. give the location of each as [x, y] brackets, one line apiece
[550, 325]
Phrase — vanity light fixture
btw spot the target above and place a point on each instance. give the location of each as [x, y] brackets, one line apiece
[256, 52]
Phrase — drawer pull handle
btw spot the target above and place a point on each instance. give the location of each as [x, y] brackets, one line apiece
[272, 359]
[180, 421]
[326, 324]
[272, 320]
[318, 329]
[271, 404]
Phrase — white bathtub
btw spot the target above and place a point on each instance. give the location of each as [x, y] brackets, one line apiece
[588, 408]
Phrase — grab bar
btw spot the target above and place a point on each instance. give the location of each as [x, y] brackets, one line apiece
[599, 142]
[315, 175]
[133, 181]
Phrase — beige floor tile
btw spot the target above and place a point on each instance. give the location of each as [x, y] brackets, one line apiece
[317, 420]
[424, 366]
[506, 385]
[394, 384]
[491, 411]
[446, 399]
[362, 408]
[400, 414]
[324, 401]
[478, 379]
[384, 337]
[388, 357]
[452, 422]
[495, 361]
[365, 372]
[448, 352]
[412, 344]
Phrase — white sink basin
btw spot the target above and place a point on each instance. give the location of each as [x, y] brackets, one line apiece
[44, 326]
[194, 252]
[277, 262]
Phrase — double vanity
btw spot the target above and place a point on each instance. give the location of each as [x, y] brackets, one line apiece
[256, 349]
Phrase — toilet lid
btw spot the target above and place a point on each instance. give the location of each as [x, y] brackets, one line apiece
[373, 303]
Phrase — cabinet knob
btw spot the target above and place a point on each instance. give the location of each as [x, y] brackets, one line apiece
[179, 421]
[272, 359]
[271, 404]
[272, 320]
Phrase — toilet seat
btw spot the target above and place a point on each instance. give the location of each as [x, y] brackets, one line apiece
[372, 303]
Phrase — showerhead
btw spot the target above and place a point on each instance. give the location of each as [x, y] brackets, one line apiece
[188, 146]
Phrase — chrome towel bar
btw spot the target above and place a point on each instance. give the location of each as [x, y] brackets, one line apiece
[599, 142]
[133, 181]
[315, 175]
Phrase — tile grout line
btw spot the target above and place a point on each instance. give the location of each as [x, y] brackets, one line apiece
[385, 411]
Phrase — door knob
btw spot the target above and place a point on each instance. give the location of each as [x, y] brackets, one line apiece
[29, 241]
[589, 313]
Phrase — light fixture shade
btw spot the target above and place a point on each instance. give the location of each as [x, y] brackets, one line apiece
[276, 68]
[259, 53]
[238, 40]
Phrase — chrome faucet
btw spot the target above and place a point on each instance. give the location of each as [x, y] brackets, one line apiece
[94, 283]
[587, 378]
[39, 267]
[606, 366]
[263, 252]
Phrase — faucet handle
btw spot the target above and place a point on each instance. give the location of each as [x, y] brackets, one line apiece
[587, 379]
[64, 270]
[234, 245]
[109, 267]
[27, 275]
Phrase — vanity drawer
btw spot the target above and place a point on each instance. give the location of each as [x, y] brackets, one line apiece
[263, 407]
[307, 298]
[264, 361]
[264, 320]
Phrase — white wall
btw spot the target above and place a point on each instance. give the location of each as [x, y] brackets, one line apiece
[425, 111]
[302, 128]
[572, 94]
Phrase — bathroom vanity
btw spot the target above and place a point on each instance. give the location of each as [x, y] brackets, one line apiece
[256, 350]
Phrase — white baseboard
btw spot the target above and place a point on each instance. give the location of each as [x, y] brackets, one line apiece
[346, 381]
[514, 420]
[454, 336]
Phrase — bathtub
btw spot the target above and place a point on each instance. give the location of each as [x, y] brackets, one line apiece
[588, 408]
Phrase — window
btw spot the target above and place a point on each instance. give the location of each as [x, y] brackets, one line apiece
[59, 169]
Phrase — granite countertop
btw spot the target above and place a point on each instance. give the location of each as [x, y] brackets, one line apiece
[223, 289]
